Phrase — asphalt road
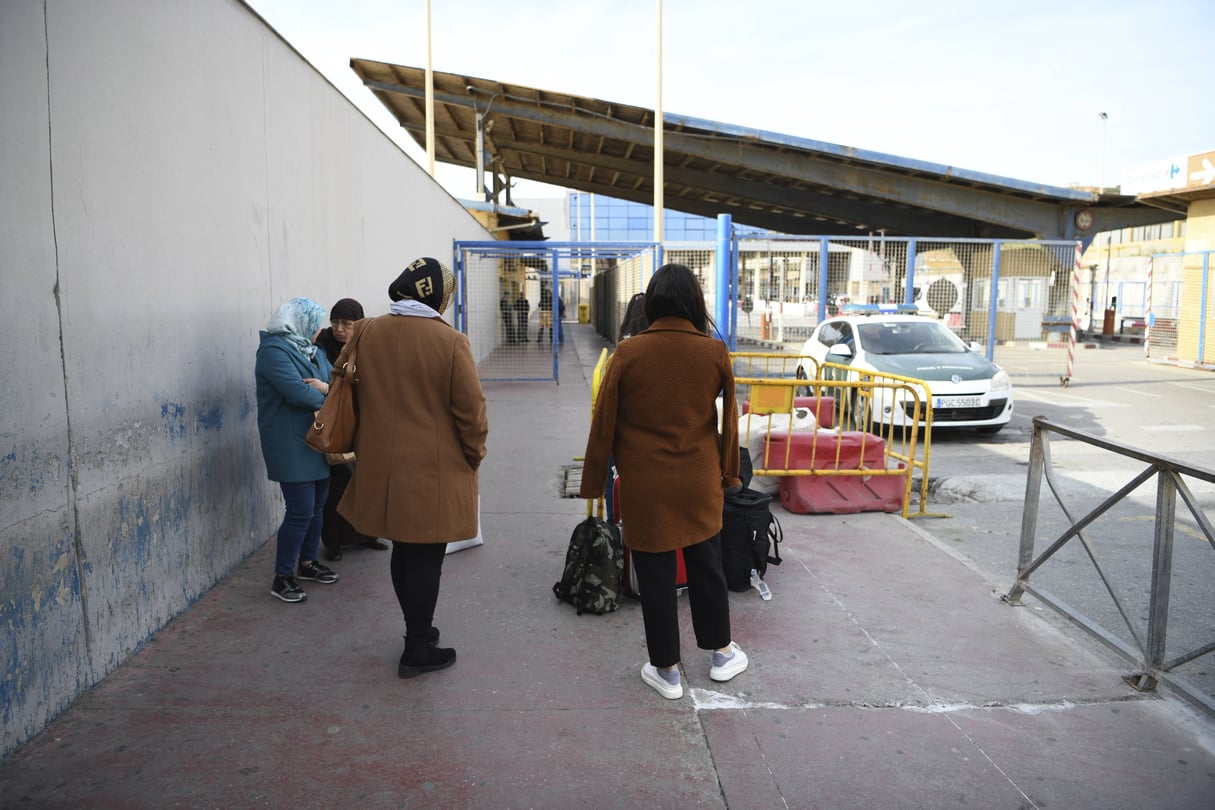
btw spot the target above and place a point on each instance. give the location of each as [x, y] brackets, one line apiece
[978, 484]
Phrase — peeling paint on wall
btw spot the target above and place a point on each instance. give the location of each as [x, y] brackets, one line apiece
[41, 635]
[173, 415]
[26, 471]
[211, 418]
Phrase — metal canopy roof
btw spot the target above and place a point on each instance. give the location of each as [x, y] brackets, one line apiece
[762, 179]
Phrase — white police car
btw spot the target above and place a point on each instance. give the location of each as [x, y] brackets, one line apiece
[968, 390]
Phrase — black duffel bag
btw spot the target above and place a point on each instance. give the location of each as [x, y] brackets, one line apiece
[750, 537]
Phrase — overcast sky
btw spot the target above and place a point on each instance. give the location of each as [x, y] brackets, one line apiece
[1009, 88]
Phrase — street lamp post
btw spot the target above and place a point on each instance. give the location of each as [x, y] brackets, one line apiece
[1104, 127]
[482, 128]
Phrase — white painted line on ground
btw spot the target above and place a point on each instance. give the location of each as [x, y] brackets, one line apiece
[1067, 400]
[1206, 389]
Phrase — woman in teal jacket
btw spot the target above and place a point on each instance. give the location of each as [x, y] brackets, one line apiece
[292, 381]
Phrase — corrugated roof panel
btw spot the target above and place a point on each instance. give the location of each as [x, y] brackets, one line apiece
[764, 179]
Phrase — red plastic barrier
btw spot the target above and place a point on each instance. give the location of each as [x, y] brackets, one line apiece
[835, 494]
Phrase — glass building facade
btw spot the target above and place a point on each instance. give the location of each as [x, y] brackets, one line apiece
[596, 218]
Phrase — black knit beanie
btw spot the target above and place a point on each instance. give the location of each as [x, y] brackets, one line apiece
[346, 310]
[427, 280]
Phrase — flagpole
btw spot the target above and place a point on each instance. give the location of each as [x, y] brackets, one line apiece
[1104, 129]
[430, 100]
[658, 138]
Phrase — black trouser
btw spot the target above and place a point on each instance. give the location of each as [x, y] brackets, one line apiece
[707, 597]
[336, 531]
[416, 570]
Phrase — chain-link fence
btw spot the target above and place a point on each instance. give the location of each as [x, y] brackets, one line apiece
[514, 299]
[1161, 306]
[612, 289]
[1007, 296]
[1001, 294]
[1178, 315]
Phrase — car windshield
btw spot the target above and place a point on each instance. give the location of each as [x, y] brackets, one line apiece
[908, 337]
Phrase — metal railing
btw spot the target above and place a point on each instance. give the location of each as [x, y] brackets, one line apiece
[1148, 648]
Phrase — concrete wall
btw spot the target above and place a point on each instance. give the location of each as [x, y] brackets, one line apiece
[169, 174]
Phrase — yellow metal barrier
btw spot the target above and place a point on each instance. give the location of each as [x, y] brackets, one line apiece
[596, 382]
[899, 410]
[771, 385]
[774, 365]
[597, 377]
[880, 407]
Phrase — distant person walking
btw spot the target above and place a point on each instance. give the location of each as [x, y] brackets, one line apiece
[560, 319]
[657, 411]
[508, 319]
[546, 313]
[522, 310]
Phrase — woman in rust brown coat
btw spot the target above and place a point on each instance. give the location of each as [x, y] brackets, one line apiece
[657, 413]
[420, 439]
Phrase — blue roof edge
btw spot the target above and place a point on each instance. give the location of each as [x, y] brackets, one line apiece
[881, 158]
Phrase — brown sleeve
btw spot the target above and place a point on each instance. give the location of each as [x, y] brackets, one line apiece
[602, 435]
[468, 404]
[729, 427]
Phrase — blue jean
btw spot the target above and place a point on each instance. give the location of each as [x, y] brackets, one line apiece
[300, 535]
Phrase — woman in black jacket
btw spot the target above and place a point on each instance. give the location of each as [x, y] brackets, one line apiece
[336, 530]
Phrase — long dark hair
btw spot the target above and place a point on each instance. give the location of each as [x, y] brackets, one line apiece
[634, 317]
[675, 292]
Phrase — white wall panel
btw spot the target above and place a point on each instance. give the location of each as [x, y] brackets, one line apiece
[169, 174]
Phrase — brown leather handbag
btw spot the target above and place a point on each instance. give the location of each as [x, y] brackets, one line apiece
[332, 430]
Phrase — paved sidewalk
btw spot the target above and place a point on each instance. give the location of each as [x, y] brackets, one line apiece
[885, 673]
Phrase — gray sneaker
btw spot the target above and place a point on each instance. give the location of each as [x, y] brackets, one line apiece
[727, 666]
[285, 588]
[317, 573]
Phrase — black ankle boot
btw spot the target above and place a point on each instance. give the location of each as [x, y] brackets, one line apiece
[420, 657]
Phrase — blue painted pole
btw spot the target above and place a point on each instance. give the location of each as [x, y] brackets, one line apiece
[1202, 321]
[554, 258]
[724, 303]
[909, 282]
[822, 279]
[460, 316]
[993, 302]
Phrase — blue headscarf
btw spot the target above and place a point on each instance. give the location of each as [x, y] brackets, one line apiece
[298, 320]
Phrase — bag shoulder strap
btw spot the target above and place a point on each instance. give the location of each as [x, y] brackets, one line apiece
[349, 369]
[776, 534]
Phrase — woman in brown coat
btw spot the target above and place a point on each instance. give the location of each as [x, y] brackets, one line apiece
[657, 413]
[420, 439]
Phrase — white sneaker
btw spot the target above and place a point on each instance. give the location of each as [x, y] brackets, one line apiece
[654, 679]
[727, 669]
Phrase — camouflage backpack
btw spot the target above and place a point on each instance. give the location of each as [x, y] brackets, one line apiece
[594, 568]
